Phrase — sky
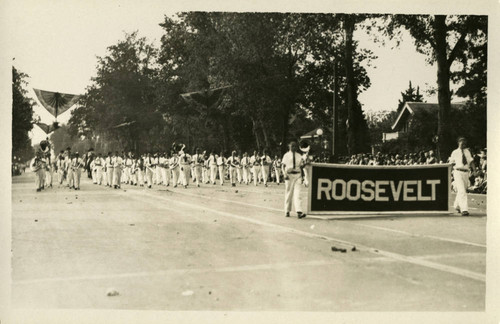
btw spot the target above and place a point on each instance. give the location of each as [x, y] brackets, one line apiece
[56, 44]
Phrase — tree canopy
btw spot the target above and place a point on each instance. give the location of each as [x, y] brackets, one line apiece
[22, 116]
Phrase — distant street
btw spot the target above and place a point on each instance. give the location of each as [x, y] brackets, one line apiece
[225, 248]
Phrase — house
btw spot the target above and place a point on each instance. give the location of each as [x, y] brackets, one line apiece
[403, 121]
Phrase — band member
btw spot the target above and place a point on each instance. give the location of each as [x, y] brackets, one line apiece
[109, 168]
[212, 164]
[245, 166]
[117, 170]
[128, 168]
[221, 163]
[277, 169]
[266, 163]
[184, 162]
[234, 163]
[77, 164]
[174, 168]
[255, 161]
[37, 166]
[291, 165]
[133, 171]
[206, 169]
[140, 169]
[462, 162]
[157, 169]
[150, 169]
[61, 169]
[166, 171]
[98, 167]
[198, 166]
[239, 169]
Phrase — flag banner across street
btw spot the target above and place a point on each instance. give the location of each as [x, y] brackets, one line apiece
[344, 189]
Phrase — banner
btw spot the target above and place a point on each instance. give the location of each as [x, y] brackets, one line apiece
[347, 189]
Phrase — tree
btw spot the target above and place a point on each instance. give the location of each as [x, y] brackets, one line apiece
[444, 39]
[410, 95]
[120, 106]
[22, 116]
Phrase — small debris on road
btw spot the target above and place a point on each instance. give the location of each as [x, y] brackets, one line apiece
[187, 293]
[336, 249]
[36, 220]
[353, 248]
[112, 292]
[132, 224]
[236, 191]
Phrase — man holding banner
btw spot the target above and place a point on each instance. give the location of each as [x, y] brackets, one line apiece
[462, 161]
[290, 165]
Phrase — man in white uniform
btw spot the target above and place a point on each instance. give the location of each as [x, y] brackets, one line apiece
[174, 168]
[185, 164]
[198, 161]
[77, 164]
[98, 164]
[245, 165]
[61, 169]
[462, 161]
[277, 169]
[221, 162]
[234, 163]
[291, 165]
[117, 170]
[108, 165]
[212, 164]
[149, 163]
[266, 163]
[255, 162]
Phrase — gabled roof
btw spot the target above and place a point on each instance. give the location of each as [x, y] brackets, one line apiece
[412, 107]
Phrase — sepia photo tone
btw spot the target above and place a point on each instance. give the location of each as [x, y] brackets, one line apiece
[250, 161]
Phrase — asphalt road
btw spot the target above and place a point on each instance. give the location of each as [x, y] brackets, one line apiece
[223, 248]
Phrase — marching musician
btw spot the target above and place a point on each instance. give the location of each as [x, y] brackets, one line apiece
[266, 163]
[221, 163]
[150, 165]
[198, 162]
[256, 164]
[109, 169]
[212, 164]
[245, 165]
[77, 164]
[174, 168]
[37, 165]
[61, 168]
[117, 170]
[277, 169]
[234, 163]
[184, 162]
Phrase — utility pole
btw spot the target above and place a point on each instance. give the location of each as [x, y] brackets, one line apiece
[335, 114]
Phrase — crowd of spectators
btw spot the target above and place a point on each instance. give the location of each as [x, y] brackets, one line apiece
[478, 180]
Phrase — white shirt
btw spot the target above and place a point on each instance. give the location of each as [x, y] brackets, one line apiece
[184, 158]
[174, 162]
[198, 159]
[245, 161]
[266, 159]
[456, 158]
[221, 160]
[211, 160]
[287, 161]
[255, 160]
[233, 160]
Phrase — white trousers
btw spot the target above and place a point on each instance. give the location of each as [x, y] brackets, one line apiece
[109, 176]
[60, 175]
[461, 184]
[165, 176]
[198, 170]
[48, 176]
[39, 179]
[246, 175]
[175, 175]
[77, 174]
[69, 176]
[256, 174]
[213, 173]
[292, 193]
[221, 174]
[185, 174]
[98, 174]
[277, 172]
[265, 173]
[117, 176]
[232, 174]
[149, 176]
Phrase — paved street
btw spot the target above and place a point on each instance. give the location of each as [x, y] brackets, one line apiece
[223, 248]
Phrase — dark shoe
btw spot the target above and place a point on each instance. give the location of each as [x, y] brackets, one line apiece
[233, 185]
[38, 190]
[301, 215]
[458, 210]
[465, 213]
[287, 214]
